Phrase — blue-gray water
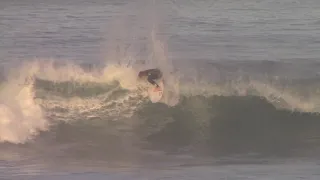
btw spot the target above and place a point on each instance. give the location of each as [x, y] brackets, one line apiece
[242, 97]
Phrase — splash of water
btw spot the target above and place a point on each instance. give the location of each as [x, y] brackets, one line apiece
[20, 117]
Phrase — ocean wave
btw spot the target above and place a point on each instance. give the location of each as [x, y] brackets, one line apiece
[43, 93]
[214, 125]
[109, 105]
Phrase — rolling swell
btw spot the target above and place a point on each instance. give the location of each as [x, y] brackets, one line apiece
[232, 125]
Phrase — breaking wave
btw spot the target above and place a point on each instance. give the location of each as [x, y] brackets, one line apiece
[70, 104]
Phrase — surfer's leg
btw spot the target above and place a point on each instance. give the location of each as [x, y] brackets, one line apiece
[150, 80]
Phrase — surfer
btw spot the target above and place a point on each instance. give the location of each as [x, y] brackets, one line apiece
[152, 75]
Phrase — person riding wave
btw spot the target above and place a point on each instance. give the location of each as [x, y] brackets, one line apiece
[152, 75]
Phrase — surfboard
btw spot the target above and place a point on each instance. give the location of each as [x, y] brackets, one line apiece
[155, 94]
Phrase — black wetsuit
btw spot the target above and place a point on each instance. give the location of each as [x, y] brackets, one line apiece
[152, 74]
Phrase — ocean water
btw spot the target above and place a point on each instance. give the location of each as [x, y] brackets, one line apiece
[241, 101]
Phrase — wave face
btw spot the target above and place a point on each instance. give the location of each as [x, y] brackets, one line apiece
[105, 112]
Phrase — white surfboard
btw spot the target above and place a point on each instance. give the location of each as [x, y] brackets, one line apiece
[155, 94]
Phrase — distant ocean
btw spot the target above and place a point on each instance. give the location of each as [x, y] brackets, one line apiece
[241, 101]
